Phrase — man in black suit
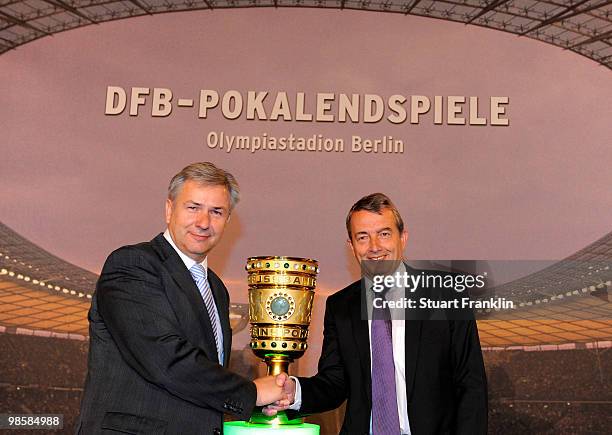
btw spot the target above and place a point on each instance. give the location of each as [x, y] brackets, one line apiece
[160, 335]
[398, 376]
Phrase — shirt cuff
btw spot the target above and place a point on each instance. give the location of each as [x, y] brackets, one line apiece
[297, 401]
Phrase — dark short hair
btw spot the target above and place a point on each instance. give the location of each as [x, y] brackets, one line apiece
[205, 173]
[375, 203]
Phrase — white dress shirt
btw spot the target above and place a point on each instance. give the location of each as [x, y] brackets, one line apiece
[398, 334]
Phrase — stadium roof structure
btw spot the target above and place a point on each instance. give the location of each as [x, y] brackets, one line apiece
[582, 26]
[568, 301]
[39, 291]
[44, 295]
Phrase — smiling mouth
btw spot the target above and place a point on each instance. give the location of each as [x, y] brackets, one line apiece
[378, 258]
[200, 237]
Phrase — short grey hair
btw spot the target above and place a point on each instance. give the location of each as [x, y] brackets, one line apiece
[205, 173]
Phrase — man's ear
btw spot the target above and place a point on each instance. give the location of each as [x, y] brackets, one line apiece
[404, 238]
[169, 206]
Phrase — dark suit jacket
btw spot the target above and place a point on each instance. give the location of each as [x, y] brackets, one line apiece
[445, 377]
[153, 365]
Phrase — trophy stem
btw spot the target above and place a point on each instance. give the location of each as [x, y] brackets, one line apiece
[277, 364]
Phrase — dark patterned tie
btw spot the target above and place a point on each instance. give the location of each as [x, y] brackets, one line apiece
[199, 276]
[385, 418]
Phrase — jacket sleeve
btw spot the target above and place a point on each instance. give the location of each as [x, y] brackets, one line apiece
[135, 308]
[469, 379]
[327, 389]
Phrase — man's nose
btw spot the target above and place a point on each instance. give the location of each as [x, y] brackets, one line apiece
[203, 220]
[374, 245]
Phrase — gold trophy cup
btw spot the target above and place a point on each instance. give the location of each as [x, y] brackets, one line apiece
[281, 294]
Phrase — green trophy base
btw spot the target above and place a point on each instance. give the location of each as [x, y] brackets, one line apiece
[246, 428]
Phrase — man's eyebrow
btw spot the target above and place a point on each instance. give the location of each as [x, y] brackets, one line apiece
[189, 201]
[384, 229]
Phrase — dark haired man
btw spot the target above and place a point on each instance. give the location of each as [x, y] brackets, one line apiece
[398, 376]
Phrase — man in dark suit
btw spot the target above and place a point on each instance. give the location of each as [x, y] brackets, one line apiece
[160, 335]
[398, 376]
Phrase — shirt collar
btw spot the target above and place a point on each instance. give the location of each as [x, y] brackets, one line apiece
[189, 262]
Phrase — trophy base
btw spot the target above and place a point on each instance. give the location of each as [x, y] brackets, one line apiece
[279, 419]
[245, 428]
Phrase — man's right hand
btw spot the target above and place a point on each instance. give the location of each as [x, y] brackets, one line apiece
[271, 389]
[280, 405]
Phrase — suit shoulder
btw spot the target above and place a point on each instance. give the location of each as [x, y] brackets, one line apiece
[131, 266]
[137, 254]
[138, 249]
[341, 295]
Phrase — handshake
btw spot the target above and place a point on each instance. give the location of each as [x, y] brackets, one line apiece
[275, 393]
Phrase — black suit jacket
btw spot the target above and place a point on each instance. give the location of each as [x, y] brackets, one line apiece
[445, 377]
[153, 365]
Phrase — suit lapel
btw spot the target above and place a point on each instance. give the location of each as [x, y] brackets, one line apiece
[175, 266]
[223, 310]
[412, 338]
[359, 322]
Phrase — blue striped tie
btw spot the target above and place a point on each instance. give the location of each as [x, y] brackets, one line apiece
[199, 275]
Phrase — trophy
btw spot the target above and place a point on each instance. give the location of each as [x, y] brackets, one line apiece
[281, 293]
